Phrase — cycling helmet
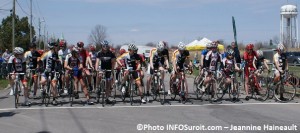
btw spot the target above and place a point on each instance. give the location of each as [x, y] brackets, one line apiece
[92, 47]
[214, 44]
[160, 46]
[280, 47]
[62, 43]
[250, 46]
[181, 46]
[18, 50]
[75, 50]
[52, 45]
[208, 45]
[122, 51]
[105, 42]
[112, 50]
[131, 46]
[80, 44]
[259, 53]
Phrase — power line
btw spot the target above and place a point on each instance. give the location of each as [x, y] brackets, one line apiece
[39, 10]
[22, 8]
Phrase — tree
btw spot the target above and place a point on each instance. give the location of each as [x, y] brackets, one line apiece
[22, 33]
[98, 35]
[151, 44]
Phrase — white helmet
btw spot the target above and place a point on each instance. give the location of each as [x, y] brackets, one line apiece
[208, 45]
[181, 46]
[280, 47]
[18, 50]
[75, 49]
[131, 46]
[259, 53]
[160, 46]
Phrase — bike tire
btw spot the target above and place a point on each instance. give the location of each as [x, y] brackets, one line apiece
[131, 93]
[102, 87]
[17, 94]
[71, 92]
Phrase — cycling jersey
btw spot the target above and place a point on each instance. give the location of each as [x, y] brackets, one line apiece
[158, 59]
[32, 57]
[17, 65]
[229, 66]
[73, 62]
[259, 61]
[62, 53]
[83, 54]
[130, 60]
[249, 58]
[93, 57]
[281, 59]
[181, 58]
[211, 60]
[106, 59]
[50, 60]
[165, 52]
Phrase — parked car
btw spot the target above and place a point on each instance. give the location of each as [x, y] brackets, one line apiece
[293, 58]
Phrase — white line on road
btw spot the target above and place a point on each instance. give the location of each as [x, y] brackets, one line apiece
[150, 106]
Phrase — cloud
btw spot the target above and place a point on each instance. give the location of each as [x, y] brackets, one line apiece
[134, 30]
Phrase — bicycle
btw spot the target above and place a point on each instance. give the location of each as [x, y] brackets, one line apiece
[158, 88]
[17, 87]
[212, 86]
[132, 87]
[178, 87]
[286, 88]
[46, 94]
[233, 90]
[258, 85]
[119, 84]
[103, 86]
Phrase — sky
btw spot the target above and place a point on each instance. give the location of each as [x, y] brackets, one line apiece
[143, 21]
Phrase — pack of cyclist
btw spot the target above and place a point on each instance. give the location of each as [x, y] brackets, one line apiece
[79, 64]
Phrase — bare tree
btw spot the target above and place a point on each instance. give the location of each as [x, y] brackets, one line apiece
[98, 35]
[151, 44]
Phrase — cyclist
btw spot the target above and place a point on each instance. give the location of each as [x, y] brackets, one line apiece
[132, 61]
[62, 53]
[157, 62]
[260, 61]
[281, 65]
[230, 66]
[212, 58]
[142, 63]
[74, 64]
[202, 60]
[91, 61]
[249, 56]
[121, 52]
[83, 54]
[51, 61]
[32, 57]
[107, 60]
[180, 61]
[17, 64]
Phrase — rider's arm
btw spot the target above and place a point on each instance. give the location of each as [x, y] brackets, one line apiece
[254, 64]
[97, 64]
[266, 65]
[167, 62]
[151, 61]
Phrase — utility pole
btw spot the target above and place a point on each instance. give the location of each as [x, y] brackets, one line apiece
[30, 21]
[13, 24]
[39, 33]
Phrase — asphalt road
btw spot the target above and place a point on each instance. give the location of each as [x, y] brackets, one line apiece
[173, 116]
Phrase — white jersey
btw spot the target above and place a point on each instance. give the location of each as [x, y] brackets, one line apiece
[17, 63]
[50, 58]
[63, 53]
[214, 59]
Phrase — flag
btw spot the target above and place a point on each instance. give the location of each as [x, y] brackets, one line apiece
[234, 31]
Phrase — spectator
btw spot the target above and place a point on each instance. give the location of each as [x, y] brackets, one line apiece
[6, 56]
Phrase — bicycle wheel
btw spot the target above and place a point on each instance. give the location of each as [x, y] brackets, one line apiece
[48, 93]
[212, 90]
[195, 87]
[154, 88]
[102, 87]
[131, 93]
[71, 92]
[162, 95]
[288, 91]
[264, 89]
[220, 91]
[17, 87]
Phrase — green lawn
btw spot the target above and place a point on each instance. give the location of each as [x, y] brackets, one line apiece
[3, 83]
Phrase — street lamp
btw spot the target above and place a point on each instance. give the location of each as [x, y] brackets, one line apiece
[40, 32]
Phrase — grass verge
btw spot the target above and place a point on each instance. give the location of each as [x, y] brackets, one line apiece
[3, 83]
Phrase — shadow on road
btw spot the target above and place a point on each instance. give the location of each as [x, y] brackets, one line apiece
[43, 122]
[4, 97]
[7, 114]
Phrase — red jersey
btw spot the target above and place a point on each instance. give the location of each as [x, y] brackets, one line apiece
[83, 55]
[249, 58]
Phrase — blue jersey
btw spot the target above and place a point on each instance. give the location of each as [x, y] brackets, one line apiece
[204, 52]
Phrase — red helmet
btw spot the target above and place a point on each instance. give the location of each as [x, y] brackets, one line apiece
[62, 43]
[41, 52]
[92, 47]
[80, 44]
[122, 51]
[249, 46]
[112, 49]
